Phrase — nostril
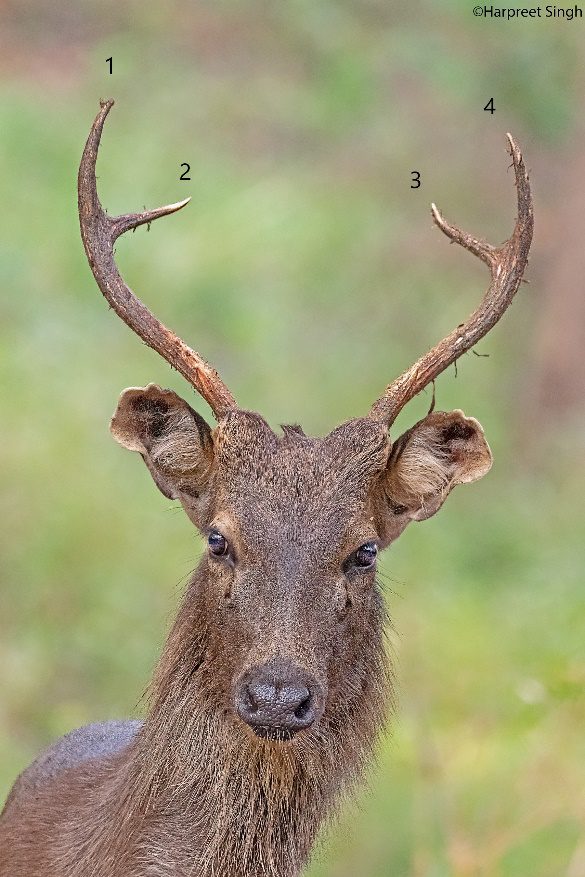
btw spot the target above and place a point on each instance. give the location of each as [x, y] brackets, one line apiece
[250, 701]
[304, 706]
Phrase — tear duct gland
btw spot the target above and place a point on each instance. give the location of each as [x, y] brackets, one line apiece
[273, 683]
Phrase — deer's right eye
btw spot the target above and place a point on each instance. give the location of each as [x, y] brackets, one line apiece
[218, 544]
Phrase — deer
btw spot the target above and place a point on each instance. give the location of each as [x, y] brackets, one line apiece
[274, 683]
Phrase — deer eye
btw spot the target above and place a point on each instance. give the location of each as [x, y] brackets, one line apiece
[365, 556]
[218, 544]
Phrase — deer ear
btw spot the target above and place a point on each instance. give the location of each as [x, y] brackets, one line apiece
[174, 441]
[442, 450]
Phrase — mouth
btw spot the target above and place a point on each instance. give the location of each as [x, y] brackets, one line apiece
[279, 735]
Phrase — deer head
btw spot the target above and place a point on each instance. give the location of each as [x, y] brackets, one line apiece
[286, 594]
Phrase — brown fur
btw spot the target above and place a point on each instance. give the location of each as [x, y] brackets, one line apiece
[194, 791]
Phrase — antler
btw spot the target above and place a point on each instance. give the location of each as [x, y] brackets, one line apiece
[99, 232]
[506, 264]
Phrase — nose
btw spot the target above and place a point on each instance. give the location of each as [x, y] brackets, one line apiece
[278, 698]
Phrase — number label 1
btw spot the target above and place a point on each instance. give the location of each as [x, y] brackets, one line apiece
[415, 175]
[185, 172]
[110, 62]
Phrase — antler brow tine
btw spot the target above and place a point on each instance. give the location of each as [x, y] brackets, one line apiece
[506, 263]
[99, 232]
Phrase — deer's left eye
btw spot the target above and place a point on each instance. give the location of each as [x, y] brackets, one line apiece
[365, 556]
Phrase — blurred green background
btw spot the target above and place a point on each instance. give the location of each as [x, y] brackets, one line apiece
[308, 271]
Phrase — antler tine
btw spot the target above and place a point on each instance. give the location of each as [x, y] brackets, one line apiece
[506, 263]
[99, 232]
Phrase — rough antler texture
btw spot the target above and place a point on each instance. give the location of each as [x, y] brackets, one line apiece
[99, 232]
[506, 264]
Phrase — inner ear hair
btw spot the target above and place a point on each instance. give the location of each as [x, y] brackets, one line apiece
[419, 468]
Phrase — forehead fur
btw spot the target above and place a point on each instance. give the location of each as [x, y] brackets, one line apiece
[295, 470]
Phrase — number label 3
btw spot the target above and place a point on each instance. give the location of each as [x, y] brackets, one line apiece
[415, 177]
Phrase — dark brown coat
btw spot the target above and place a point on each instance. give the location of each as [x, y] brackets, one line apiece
[273, 684]
[194, 791]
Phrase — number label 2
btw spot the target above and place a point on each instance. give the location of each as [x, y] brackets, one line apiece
[184, 175]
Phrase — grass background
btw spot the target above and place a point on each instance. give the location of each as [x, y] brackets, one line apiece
[307, 270]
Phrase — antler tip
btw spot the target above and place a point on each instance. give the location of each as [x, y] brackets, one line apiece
[105, 107]
[441, 222]
[515, 150]
[172, 208]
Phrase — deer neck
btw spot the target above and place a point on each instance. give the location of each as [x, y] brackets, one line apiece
[200, 795]
[218, 803]
[223, 821]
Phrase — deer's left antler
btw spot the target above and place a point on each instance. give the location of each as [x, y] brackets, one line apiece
[506, 263]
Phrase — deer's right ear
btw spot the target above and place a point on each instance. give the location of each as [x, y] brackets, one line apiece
[174, 441]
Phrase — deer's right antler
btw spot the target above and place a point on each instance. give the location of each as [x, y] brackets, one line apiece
[506, 264]
[99, 232]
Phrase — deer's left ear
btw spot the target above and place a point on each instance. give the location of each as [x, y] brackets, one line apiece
[440, 451]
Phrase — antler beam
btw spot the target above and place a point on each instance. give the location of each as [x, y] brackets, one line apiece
[99, 232]
[506, 263]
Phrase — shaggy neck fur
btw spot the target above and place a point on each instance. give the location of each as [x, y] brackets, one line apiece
[202, 796]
